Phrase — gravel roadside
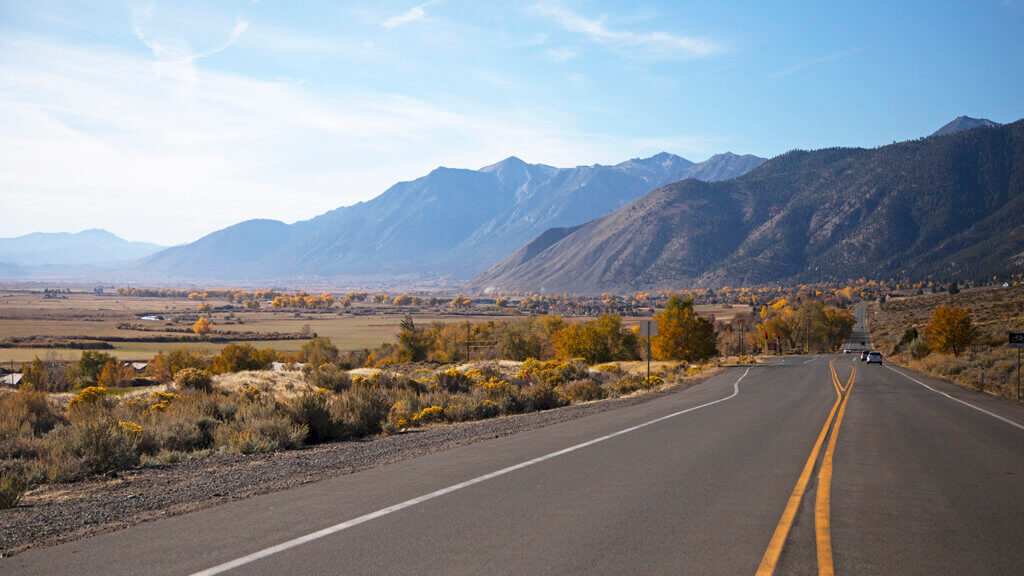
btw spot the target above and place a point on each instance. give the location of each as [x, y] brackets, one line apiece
[54, 514]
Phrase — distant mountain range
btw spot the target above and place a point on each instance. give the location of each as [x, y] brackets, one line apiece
[450, 223]
[949, 207]
[93, 247]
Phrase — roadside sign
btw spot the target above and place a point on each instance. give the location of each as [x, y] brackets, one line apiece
[648, 328]
[1016, 339]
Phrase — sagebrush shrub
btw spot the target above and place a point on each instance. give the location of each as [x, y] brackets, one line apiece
[29, 407]
[24, 417]
[364, 409]
[540, 397]
[259, 427]
[13, 485]
[92, 444]
[581, 391]
[919, 348]
[313, 411]
[194, 379]
[327, 376]
[629, 384]
[187, 422]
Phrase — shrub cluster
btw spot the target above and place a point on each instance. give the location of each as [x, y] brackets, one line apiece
[99, 432]
[194, 379]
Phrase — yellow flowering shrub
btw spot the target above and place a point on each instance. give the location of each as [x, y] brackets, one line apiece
[553, 371]
[427, 415]
[451, 380]
[88, 397]
[164, 396]
[653, 381]
[157, 402]
[400, 415]
[130, 428]
[496, 389]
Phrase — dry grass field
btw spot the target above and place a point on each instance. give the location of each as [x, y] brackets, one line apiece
[85, 316]
[994, 311]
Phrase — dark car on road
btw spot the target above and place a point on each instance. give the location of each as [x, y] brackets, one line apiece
[863, 355]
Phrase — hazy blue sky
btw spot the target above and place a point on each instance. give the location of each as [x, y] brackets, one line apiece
[164, 121]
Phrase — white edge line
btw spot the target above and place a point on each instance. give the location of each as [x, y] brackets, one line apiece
[968, 404]
[813, 359]
[249, 558]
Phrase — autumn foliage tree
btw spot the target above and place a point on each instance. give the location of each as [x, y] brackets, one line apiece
[461, 302]
[682, 334]
[111, 376]
[163, 367]
[413, 342]
[88, 368]
[202, 327]
[318, 351]
[838, 326]
[239, 357]
[34, 375]
[950, 330]
[602, 340]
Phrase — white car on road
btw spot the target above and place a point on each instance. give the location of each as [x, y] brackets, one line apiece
[874, 357]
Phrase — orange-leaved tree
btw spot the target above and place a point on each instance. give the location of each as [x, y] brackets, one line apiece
[950, 330]
[202, 327]
[682, 334]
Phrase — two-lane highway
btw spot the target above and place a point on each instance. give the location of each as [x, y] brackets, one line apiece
[697, 482]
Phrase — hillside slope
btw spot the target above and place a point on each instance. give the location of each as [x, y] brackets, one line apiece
[948, 207]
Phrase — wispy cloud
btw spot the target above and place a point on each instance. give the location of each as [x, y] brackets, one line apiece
[178, 50]
[175, 55]
[811, 63]
[653, 44]
[561, 54]
[89, 131]
[413, 14]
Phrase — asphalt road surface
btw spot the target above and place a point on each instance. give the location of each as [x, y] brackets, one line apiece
[781, 469]
[859, 338]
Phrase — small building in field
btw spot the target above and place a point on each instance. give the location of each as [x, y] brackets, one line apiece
[12, 379]
[136, 366]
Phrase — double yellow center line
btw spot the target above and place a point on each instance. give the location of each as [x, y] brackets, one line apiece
[822, 525]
